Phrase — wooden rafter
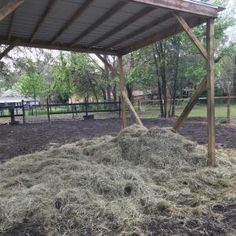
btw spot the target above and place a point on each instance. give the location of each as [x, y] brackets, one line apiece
[11, 25]
[6, 51]
[101, 20]
[122, 26]
[42, 19]
[183, 6]
[9, 8]
[175, 29]
[74, 17]
[191, 35]
[44, 45]
[144, 28]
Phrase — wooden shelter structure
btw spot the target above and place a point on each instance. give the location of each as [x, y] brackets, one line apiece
[112, 27]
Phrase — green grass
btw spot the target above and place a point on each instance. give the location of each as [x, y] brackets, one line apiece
[152, 111]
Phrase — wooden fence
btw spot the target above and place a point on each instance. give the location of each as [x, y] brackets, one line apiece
[88, 109]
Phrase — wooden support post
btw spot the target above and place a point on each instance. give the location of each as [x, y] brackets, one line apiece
[122, 91]
[192, 102]
[211, 93]
[9, 8]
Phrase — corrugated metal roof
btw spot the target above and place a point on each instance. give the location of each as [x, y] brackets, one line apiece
[126, 26]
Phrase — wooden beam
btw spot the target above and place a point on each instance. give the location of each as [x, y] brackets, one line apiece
[128, 102]
[101, 20]
[211, 93]
[10, 7]
[74, 17]
[145, 11]
[15, 41]
[124, 96]
[195, 8]
[122, 89]
[6, 51]
[175, 29]
[42, 19]
[141, 30]
[191, 35]
[11, 25]
[192, 102]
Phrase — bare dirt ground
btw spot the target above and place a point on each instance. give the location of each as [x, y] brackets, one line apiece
[28, 138]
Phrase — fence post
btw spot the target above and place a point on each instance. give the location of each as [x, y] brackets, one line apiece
[23, 110]
[48, 111]
[12, 113]
[86, 107]
[139, 105]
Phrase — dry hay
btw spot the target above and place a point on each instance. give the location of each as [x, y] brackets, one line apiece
[142, 182]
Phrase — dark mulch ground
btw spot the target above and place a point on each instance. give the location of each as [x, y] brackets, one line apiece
[24, 139]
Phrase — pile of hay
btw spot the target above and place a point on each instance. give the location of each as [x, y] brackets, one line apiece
[142, 182]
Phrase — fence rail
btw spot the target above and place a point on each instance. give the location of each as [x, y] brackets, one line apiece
[49, 110]
[225, 108]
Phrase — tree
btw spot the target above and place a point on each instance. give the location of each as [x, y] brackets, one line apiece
[62, 86]
[32, 84]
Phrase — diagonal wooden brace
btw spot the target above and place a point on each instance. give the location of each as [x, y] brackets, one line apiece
[123, 89]
[9, 8]
[191, 35]
[202, 87]
[6, 51]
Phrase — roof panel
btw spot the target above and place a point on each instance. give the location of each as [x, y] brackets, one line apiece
[127, 26]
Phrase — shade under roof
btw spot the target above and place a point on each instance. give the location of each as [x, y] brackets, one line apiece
[100, 26]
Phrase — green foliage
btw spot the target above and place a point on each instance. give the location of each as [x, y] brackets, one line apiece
[62, 85]
[33, 84]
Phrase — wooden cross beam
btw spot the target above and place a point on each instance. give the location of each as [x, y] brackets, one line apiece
[6, 51]
[9, 8]
[191, 35]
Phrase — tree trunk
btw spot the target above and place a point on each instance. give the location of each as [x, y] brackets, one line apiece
[108, 86]
[162, 60]
[176, 74]
[229, 105]
[234, 77]
[155, 50]
[129, 88]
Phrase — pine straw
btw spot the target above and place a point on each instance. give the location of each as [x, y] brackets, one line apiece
[138, 183]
